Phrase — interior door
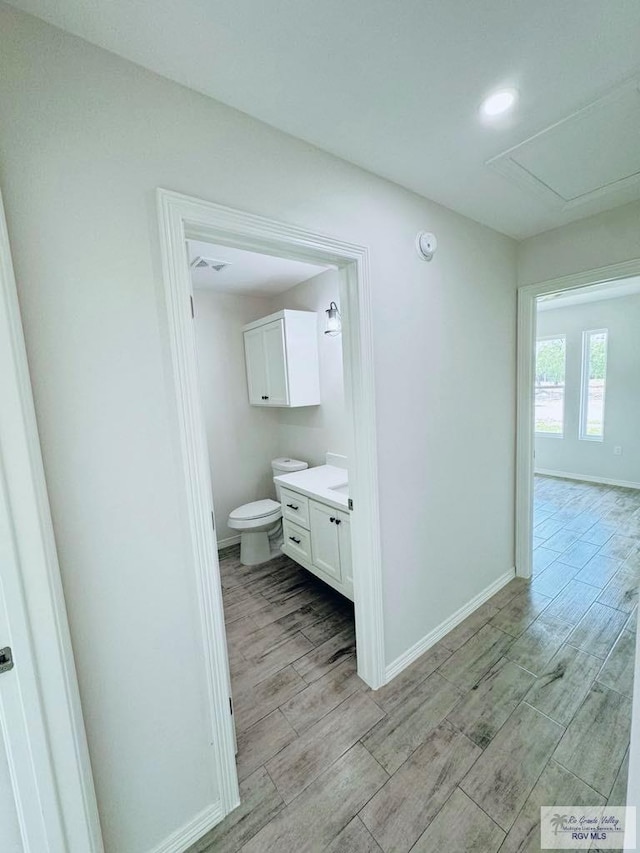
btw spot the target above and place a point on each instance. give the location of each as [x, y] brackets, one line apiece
[10, 836]
[49, 789]
[325, 550]
[256, 366]
[275, 359]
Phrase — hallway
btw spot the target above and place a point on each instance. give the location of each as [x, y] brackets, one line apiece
[487, 726]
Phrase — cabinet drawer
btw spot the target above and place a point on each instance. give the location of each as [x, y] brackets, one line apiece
[295, 507]
[297, 540]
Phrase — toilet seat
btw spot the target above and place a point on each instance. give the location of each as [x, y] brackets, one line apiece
[255, 514]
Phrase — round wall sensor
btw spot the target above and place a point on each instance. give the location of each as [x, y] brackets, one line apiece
[426, 244]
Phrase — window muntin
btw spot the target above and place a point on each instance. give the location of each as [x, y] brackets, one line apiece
[551, 359]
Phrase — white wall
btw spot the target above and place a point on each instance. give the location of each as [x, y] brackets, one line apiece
[242, 439]
[622, 400]
[607, 238]
[309, 432]
[85, 139]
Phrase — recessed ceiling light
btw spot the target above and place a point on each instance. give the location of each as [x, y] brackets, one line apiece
[499, 102]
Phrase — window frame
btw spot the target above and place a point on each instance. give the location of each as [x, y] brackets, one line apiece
[584, 383]
[559, 435]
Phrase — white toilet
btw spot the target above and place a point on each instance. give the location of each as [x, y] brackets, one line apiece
[259, 522]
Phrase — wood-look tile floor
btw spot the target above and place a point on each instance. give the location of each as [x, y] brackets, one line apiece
[526, 703]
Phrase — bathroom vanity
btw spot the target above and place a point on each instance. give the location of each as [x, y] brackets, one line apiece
[316, 524]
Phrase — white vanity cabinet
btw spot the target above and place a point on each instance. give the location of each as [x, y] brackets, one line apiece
[319, 539]
[281, 355]
[325, 523]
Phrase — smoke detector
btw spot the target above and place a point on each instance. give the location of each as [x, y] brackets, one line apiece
[426, 245]
[202, 263]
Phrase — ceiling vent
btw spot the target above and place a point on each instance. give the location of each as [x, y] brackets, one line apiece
[202, 263]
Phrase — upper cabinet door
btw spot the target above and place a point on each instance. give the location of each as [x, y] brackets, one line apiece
[276, 363]
[256, 366]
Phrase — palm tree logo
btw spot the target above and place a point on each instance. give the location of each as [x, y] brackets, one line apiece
[557, 821]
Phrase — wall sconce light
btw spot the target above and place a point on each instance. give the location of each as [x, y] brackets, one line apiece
[334, 323]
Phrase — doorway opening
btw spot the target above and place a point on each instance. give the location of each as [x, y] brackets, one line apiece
[272, 398]
[184, 219]
[578, 521]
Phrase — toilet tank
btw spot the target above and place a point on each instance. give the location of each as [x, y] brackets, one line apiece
[285, 465]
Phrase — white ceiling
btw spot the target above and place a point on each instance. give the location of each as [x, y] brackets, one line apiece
[591, 293]
[394, 86]
[248, 273]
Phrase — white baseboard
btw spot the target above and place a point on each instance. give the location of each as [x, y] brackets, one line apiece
[228, 542]
[588, 478]
[183, 838]
[412, 654]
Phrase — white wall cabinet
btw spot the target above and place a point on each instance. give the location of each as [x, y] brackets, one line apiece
[281, 355]
[320, 541]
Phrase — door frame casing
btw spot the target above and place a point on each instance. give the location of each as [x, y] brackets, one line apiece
[40, 715]
[525, 432]
[180, 218]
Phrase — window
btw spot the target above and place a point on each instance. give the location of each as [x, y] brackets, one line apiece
[551, 356]
[594, 378]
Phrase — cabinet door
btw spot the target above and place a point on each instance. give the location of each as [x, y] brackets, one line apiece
[325, 550]
[276, 363]
[344, 542]
[256, 367]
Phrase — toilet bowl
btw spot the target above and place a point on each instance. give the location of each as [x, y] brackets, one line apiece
[259, 522]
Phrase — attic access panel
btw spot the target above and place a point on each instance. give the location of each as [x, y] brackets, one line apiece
[595, 151]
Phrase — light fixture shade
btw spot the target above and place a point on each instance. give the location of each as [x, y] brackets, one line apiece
[334, 323]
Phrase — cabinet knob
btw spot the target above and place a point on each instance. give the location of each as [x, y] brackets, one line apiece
[293, 539]
[265, 397]
[292, 506]
[338, 521]
[332, 519]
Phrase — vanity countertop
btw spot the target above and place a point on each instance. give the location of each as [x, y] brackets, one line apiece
[320, 483]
